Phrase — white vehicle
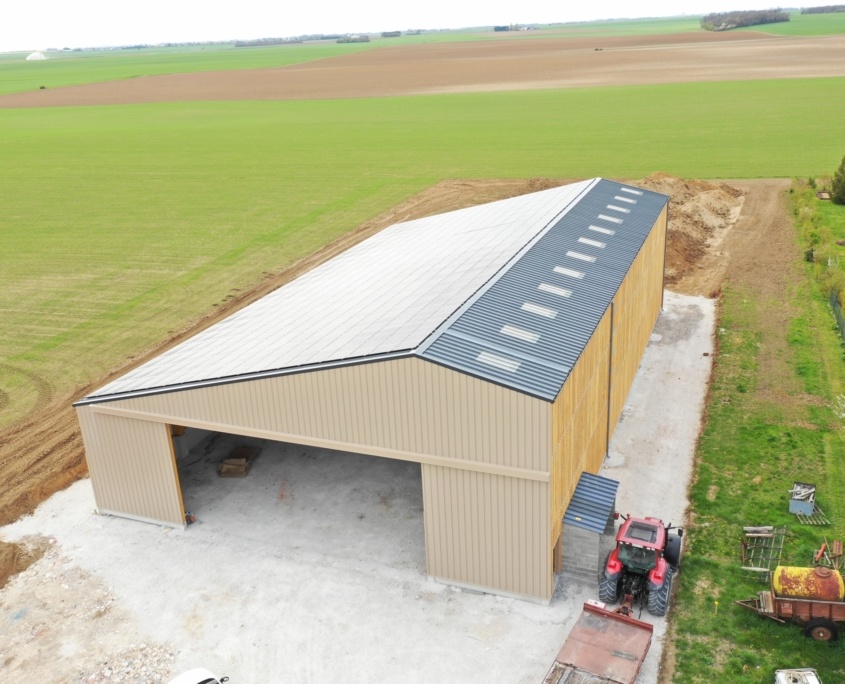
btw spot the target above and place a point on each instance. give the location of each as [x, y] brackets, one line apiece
[198, 675]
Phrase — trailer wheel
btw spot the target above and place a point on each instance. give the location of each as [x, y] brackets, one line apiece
[821, 630]
[658, 600]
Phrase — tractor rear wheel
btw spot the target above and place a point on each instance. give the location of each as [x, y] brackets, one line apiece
[658, 600]
[821, 630]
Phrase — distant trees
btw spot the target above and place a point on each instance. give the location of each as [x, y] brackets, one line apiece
[724, 21]
[391, 34]
[837, 185]
[826, 9]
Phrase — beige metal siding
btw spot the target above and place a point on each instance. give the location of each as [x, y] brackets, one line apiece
[635, 310]
[409, 405]
[488, 531]
[132, 467]
[579, 423]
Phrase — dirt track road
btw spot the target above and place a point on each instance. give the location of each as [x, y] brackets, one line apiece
[481, 66]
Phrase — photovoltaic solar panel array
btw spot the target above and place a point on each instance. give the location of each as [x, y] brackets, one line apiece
[526, 329]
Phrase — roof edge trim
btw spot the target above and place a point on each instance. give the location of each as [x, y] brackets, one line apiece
[247, 377]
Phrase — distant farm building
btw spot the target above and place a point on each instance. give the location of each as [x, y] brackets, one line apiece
[35, 56]
[494, 345]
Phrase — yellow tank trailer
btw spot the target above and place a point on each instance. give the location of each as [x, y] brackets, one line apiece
[811, 597]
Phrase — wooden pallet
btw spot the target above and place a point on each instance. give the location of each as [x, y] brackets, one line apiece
[238, 462]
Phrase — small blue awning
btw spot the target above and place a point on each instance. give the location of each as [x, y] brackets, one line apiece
[592, 503]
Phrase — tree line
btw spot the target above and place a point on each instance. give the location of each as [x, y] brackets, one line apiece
[826, 9]
[724, 21]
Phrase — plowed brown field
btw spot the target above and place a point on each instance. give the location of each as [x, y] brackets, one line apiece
[496, 65]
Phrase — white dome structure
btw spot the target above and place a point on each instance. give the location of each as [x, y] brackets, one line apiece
[35, 56]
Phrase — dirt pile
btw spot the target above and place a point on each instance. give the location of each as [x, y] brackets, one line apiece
[62, 619]
[15, 558]
[700, 213]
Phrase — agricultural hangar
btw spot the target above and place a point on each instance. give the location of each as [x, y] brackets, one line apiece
[494, 345]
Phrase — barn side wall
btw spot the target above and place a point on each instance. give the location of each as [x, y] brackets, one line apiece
[587, 410]
[635, 310]
[486, 530]
[132, 466]
[484, 451]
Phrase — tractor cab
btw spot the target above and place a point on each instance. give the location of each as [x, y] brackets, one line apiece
[639, 543]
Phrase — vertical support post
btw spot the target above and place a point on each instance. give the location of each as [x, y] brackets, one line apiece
[609, 379]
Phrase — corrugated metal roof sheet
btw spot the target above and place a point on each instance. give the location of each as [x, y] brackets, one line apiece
[527, 327]
[592, 502]
[383, 296]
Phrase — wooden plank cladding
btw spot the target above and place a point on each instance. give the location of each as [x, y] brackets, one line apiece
[635, 310]
[579, 422]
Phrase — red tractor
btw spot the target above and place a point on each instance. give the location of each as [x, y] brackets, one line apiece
[642, 565]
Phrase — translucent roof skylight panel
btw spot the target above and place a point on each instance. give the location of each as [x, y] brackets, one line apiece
[602, 270]
[529, 377]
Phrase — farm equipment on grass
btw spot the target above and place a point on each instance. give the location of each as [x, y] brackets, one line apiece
[813, 598]
[642, 565]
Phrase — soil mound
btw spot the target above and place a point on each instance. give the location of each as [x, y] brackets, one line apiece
[700, 213]
[15, 558]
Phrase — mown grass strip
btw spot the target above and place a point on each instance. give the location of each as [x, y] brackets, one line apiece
[755, 444]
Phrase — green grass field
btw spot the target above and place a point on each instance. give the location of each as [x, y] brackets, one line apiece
[75, 68]
[125, 223]
[64, 68]
[628, 27]
[774, 417]
[805, 25]
[750, 454]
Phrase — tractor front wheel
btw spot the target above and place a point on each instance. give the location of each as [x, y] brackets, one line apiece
[821, 630]
[658, 600]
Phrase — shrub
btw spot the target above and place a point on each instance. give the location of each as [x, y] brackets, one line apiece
[837, 184]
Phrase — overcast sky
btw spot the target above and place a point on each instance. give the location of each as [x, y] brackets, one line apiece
[39, 24]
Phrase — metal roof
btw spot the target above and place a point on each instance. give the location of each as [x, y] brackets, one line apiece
[592, 503]
[384, 296]
[527, 327]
